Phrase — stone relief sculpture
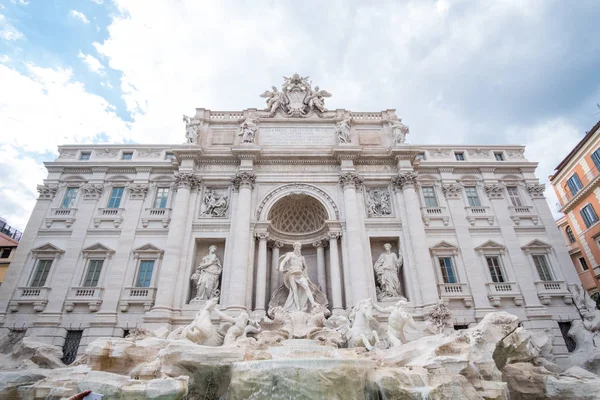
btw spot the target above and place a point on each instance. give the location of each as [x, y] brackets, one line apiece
[378, 203]
[397, 321]
[386, 269]
[399, 130]
[192, 128]
[207, 274]
[342, 130]
[248, 129]
[296, 99]
[237, 327]
[215, 203]
[297, 293]
[201, 330]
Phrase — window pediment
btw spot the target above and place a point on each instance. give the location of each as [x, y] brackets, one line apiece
[443, 247]
[536, 245]
[119, 179]
[148, 250]
[490, 246]
[48, 250]
[98, 249]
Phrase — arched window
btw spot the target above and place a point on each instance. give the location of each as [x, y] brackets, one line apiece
[570, 234]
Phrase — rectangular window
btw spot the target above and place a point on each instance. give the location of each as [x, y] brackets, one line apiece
[421, 156]
[460, 156]
[69, 199]
[472, 196]
[596, 159]
[493, 263]
[589, 215]
[499, 156]
[41, 273]
[85, 155]
[429, 196]
[116, 194]
[513, 194]
[574, 184]
[144, 277]
[160, 201]
[5, 253]
[127, 155]
[570, 234]
[93, 273]
[447, 268]
[169, 156]
[543, 269]
[584, 266]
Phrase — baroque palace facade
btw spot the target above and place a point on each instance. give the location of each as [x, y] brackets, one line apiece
[126, 236]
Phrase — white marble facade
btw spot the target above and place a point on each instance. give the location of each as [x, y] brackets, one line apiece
[118, 231]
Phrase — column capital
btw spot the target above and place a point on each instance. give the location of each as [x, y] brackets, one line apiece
[405, 179]
[47, 192]
[349, 179]
[244, 179]
[536, 190]
[451, 190]
[186, 179]
[333, 235]
[261, 235]
[494, 190]
[319, 243]
[275, 244]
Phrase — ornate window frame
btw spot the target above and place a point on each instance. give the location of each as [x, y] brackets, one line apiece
[147, 252]
[96, 251]
[445, 249]
[491, 248]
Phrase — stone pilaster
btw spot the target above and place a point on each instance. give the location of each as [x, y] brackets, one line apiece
[405, 189]
[321, 276]
[356, 269]
[261, 273]
[336, 275]
[275, 274]
[240, 263]
[185, 182]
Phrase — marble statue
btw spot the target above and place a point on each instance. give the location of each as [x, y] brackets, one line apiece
[297, 98]
[248, 129]
[364, 326]
[342, 130]
[386, 269]
[240, 327]
[590, 315]
[207, 274]
[298, 292]
[214, 204]
[201, 330]
[192, 126]
[399, 319]
[399, 130]
[378, 203]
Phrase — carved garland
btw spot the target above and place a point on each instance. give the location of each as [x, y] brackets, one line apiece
[494, 190]
[536, 190]
[46, 192]
[137, 191]
[452, 190]
[92, 191]
[299, 187]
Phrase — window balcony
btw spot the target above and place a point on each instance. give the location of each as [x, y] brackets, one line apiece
[460, 291]
[92, 296]
[522, 212]
[66, 215]
[499, 290]
[548, 289]
[479, 213]
[586, 183]
[37, 296]
[137, 295]
[114, 215]
[435, 213]
[161, 215]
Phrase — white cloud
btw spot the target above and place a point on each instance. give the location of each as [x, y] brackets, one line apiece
[92, 63]
[79, 15]
[8, 31]
[5, 59]
[97, 1]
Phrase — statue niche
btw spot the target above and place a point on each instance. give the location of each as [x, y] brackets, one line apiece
[387, 272]
[207, 276]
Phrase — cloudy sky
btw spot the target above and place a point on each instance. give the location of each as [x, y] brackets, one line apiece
[489, 72]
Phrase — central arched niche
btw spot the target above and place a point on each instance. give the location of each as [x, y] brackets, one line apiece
[298, 216]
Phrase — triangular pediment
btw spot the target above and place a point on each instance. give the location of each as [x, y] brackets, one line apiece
[148, 248]
[536, 245]
[443, 245]
[98, 248]
[490, 245]
[47, 248]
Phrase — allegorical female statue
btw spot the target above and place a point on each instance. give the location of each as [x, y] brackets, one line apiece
[297, 293]
[386, 269]
[207, 274]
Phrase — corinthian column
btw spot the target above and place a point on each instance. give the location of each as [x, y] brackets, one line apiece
[336, 275]
[184, 183]
[406, 194]
[360, 290]
[275, 246]
[261, 273]
[321, 277]
[244, 183]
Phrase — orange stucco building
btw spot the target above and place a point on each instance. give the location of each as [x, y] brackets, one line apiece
[576, 182]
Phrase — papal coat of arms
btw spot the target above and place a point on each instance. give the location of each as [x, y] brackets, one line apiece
[297, 98]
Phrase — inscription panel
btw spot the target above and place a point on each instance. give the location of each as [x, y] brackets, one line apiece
[289, 136]
[222, 137]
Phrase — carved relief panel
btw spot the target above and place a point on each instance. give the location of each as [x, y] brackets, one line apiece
[378, 202]
[215, 202]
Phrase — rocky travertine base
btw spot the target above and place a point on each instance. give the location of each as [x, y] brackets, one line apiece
[494, 360]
